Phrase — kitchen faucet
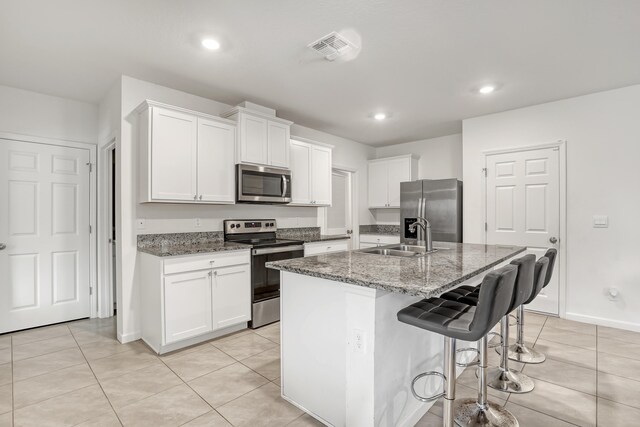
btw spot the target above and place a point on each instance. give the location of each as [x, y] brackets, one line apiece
[426, 226]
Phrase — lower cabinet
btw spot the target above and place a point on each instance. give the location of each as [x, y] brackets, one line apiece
[231, 303]
[193, 298]
[187, 305]
[320, 248]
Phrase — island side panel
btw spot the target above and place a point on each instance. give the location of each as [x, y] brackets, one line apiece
[313, 335]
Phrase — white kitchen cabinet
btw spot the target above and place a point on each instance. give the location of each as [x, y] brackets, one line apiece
[263, 139]
[278, 144]
[172, 155]
[193, 298]
[310, 174]
[384, 178]
[230, 296]
[326, 247]
[187, 306]
[216, 153]
[374, 240]
[185, 156]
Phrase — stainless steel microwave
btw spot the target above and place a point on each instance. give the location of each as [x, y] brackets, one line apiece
[262, 184]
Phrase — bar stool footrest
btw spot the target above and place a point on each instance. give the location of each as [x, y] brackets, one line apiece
[495, 334]
[466, 350]
[429, 398]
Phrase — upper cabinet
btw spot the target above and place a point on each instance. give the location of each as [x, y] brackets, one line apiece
[385, 176]
[310, 174]
[263, 138]
[185, 156]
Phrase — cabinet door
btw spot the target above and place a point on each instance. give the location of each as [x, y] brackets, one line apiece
[173, 155]
[399, 170]
[300, 175]
[278, 144]
[253, 139]
[377, 191]
[321, 175]
[216, 178]
[187, 305]
[231, 295]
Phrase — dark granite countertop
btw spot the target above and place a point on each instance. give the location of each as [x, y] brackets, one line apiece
[424, 276]
[191, 249]
[325, 238]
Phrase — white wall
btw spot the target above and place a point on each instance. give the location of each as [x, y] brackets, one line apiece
[34, 114]
[602, 131]
[440, 158]
[162, 218]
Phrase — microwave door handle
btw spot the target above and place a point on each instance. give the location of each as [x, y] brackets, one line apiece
[284, 186]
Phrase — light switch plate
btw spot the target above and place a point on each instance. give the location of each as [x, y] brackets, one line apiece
[600, 221]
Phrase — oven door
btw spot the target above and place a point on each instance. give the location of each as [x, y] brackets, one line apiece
[262, 184]
[265, 282]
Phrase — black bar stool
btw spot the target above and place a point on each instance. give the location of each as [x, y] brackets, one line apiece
[519, 351]
[502, 377]
[456, 320]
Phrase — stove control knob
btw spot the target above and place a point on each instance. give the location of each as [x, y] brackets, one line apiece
[233, 226]
[237, 225]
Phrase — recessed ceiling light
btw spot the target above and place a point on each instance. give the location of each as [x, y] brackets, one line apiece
[211, 44]
[380, 116]
[485, 90]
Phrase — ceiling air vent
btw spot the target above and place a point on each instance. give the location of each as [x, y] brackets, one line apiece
[332, 46]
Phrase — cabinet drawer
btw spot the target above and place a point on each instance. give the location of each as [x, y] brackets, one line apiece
[202, 262]
[311, 249]
[379, 239]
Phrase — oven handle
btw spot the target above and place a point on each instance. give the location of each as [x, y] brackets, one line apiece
[277, 250]
[284, 186]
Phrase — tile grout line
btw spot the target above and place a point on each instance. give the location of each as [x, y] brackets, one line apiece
[13, 386]
[97, 381]
[195, 391]
[597, 376]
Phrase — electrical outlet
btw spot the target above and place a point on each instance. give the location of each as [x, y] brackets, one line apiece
[359, 341]
[198, 222]
[141, 223]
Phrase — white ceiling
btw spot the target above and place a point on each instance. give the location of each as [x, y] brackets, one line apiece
[420, 60]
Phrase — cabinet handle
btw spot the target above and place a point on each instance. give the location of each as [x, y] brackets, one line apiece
[212, 261]
[200, 197]
[215, 273]
[209, 273]
[195, 197]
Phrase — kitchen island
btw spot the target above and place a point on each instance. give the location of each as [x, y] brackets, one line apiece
[346, 359]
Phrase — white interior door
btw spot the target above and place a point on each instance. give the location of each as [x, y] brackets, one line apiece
[338, 215]
[44, 223]
[523, 208]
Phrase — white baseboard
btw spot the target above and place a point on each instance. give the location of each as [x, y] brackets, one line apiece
[601, 321]
[132, 336]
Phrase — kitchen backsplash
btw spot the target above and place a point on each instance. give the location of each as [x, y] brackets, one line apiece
[380, 229]
[197, 238]
[298, 233]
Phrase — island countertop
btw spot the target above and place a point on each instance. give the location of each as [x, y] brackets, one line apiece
[422, 276]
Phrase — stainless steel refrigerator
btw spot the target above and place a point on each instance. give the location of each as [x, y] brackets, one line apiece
[437, 200]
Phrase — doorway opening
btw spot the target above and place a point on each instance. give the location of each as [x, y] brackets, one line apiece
[338, 218]
[112, 227]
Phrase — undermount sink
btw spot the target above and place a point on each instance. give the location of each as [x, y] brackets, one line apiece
[399, 250]
[389, 252]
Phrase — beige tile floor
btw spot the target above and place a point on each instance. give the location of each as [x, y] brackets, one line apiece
[78, 374]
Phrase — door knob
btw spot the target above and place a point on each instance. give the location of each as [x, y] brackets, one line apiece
[3, 246]
[553, 240]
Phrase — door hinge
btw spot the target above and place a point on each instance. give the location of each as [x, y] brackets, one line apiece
[90, 167]
[90, 290]
[484, 171]
[90, 229]
[486, 227]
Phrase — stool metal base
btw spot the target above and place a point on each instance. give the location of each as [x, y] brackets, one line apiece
[509, 381]
[523, 354]
[471, 414]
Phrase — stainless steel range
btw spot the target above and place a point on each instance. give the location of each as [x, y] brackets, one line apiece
[265, 283]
